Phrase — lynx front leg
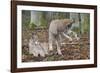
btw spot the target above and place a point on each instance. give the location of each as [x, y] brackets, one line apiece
[67, 36]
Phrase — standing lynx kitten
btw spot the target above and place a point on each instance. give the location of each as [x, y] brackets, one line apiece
[57, 28]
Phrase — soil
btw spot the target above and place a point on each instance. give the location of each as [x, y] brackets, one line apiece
[76, 50]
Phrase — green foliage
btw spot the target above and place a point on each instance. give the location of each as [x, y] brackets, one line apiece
[25, 19]
[32, 26]
[43, 22]
[44, 18]
[60, 15]
[76, 29]
[25, 52]
[86, 24]
[25, 25]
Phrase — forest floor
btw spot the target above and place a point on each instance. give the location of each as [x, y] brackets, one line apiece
[76, 50]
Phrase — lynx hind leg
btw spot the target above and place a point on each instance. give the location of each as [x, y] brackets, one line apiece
[50, 46]
[58, 48]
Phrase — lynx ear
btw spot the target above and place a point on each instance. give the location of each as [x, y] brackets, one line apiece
[68, 21]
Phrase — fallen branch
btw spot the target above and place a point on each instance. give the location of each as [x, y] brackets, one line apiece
[74, 43]
[84, 38]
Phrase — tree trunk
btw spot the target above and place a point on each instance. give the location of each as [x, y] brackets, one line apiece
[35, 17]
